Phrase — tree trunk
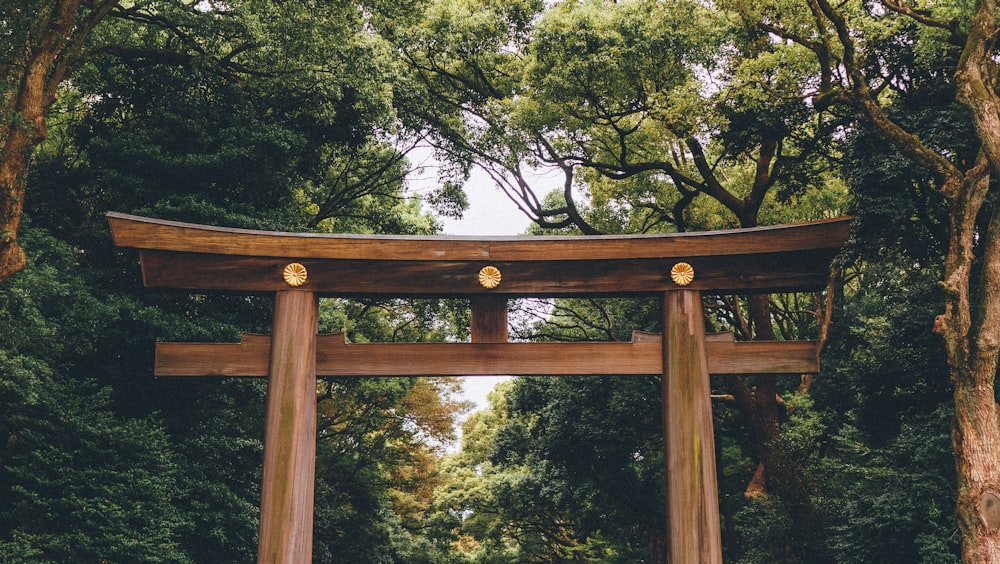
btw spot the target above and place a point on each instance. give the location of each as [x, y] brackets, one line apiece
[43, 58]
[976, 439]
[26, 109]
[13, 162]
[972, 334]
[972, 341]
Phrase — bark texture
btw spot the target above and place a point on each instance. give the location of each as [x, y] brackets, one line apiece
[48, 46]
[971, 330]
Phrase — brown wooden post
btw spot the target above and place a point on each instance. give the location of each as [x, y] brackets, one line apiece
[693, 529]
[489, 319]
[286, 506]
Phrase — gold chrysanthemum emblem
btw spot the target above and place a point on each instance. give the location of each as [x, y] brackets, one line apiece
[682, 274]
[489, 277]
[295, 274]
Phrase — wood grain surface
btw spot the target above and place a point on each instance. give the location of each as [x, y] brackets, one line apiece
[767, 259]
[336, 358]
[693, 527]
[286, 505]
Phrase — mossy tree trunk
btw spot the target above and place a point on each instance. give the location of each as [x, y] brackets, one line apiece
[970, 324]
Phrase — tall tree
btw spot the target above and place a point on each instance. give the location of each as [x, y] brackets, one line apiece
[853, 48]
[46, 42]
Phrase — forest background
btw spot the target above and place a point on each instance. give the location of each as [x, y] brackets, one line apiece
[656, 116]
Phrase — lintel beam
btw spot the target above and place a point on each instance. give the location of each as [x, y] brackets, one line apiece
[149, 233]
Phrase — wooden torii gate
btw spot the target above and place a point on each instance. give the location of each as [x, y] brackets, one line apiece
[298, 268]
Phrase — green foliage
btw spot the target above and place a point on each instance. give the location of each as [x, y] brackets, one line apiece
[79, 480]
[379, 440]
[297, 115]
[260, 116]
[894, 503]
[591, 62]
[888, 455]
[560, 469]
[643, 106]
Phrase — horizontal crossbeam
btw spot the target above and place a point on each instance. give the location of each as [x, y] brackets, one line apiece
[334, 357]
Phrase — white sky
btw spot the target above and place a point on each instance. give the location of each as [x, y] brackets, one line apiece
[490, 211]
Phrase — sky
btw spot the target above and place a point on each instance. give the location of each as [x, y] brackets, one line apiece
[490, 212]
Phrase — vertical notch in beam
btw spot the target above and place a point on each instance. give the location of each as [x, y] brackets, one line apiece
[693, 529]
[489, 319]
[286, 506]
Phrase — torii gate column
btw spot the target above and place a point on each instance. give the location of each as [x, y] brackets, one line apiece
[693, 530]
[286, 505]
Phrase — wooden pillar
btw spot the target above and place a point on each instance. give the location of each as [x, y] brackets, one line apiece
[489, 319]
[693, 530]
[286, 506]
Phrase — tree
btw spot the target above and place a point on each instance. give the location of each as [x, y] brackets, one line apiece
[285, 47]
[43, 44]
[852, 48]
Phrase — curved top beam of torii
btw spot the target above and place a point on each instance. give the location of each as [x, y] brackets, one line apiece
[793, 257]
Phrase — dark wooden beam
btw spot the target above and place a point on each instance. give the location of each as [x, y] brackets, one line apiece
[763, 272]
[203, 258]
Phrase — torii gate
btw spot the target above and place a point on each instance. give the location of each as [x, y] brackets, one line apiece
[298, 268]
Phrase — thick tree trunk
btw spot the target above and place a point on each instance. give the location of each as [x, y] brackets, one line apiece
[43, 57]
[972, 334]
[26, 109]
[976, 439]
[13, 162]
[976, 442]
[972, 340]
